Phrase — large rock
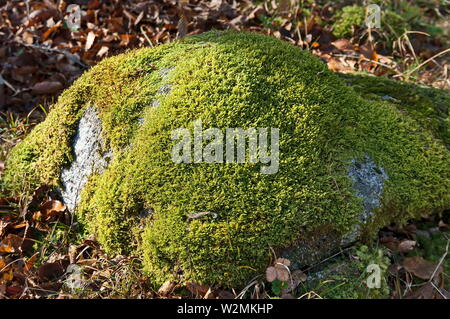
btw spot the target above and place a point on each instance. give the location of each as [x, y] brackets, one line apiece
[347, 164]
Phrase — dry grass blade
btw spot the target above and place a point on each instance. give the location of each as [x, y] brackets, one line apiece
[428, 60]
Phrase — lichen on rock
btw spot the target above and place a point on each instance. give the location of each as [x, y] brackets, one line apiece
[87, 148]
[368, 180]
[141, 202]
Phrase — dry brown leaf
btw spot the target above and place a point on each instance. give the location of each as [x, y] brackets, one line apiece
[421, 268]
[50, 31]
[283, 261]
[7, 276]
[166, 288]
[30, 262]
[427, 291]
[343, 45]
[50, 209]
[47, 87]
[341, 65]
[406, 245]
[390, 242]
[89, 40]
[126, 39]
[50, 271]
[87, 262]
[197, 289]
[11, 244]
[282, 272]
[223, 294]
[27, 37]
[441, 223]
[94, 4]
[271, 274]
[103, 50]
[2, 263]
[299, 275]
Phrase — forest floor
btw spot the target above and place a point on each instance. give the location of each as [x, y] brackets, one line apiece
[43, 49]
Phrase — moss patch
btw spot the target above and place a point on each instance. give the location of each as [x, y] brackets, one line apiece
[347, 18]
[430, 107]
[395, 19]
[230, 79]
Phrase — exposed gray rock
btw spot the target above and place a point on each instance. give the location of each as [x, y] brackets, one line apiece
[87, 148]
[368, 181]
[165, 88]
[144, 213]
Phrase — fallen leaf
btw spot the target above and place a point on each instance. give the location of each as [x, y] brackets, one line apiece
[421, 268]
[299, 275]
[13, 291]
[30, 262]
[441, 223]
[283, 261]
[197, 289]
[223, 294]
[390, 242]
[103, 50]
[27, 37]
[89, 40]
[282, 272]
[166, 288]
[343, 45]
[406, 245]
[11, 244]
[341, 65]
[48, 210]
[50, 271]
[425, 292]
[46, 87]
[271, 274]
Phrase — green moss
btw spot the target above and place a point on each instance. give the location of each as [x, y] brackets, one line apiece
[230, 79]
[346, 18]
[392, 23]
[430, 107]
[347, 277]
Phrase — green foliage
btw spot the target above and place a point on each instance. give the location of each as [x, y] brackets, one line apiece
[395, 20]
[277, 286]
[346, 278]
[230, 79]
[346, 18]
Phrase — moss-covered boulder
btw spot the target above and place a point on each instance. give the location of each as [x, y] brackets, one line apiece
[348, 164]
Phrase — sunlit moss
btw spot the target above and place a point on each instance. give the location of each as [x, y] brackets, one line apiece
[230, 79]
[347, 18]
[428, 106]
